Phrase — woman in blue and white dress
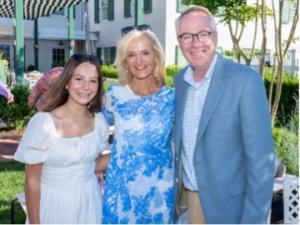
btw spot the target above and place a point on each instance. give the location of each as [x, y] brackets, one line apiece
[139, 182]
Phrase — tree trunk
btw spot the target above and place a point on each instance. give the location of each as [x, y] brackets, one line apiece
[264, 38]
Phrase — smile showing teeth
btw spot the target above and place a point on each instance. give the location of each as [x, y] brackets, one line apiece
[197, 53]
[140, 68]
[84, 95]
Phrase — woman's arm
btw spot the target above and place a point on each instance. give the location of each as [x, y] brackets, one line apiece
[32, 191]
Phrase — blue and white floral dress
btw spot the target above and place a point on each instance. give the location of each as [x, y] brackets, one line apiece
[139, 182]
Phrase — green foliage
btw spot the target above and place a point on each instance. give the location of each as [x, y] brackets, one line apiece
[287, 149]
[109, 71]
[11, 183]
[16, 114]
[108, 82]
[289, 95]
[287, 142]
[215, 6]
[172, 70]
[169, 81]
[58, 64]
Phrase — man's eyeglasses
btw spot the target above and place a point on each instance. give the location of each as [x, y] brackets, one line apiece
[188, 38]
[142, 27]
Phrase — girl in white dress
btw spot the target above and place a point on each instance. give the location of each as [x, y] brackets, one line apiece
[60, 147]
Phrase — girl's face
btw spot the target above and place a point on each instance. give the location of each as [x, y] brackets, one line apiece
[83, 85]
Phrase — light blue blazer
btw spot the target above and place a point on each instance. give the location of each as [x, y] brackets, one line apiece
[234, 154]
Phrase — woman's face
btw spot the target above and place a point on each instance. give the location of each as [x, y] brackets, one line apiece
[140, 58]
[83, 85]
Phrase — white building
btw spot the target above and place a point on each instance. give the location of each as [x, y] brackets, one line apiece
[53, 44]
[108, 17]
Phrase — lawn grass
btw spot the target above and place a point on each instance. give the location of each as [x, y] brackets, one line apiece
[11, 183]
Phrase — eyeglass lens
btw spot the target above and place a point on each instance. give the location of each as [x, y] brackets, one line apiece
[201, 36]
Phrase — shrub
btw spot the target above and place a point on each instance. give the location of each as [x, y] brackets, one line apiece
[169, 81]
[108, 82]
[289, 96]
[58, 63]
[109, 71]
[286, 141]
[16, 114]
[172, 70]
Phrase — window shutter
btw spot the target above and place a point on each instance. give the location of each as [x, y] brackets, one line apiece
[127, 12]
[96, 8]
[111, 7]
[147, 6]
[112, 54]
[99, 53]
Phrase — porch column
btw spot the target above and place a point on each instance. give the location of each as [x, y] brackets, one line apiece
[71, 30]
[36, 44]
[138, 17]
[19, 52]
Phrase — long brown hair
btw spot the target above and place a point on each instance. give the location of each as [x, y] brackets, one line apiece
[58, 95]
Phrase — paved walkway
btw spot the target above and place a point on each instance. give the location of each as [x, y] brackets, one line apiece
[9, 141]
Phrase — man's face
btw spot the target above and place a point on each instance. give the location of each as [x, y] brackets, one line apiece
[198, 49]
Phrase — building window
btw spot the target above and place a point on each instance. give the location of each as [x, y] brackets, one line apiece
[5, 52]
[288, 11]
[103, 9]
[109, 55]
[58, 57]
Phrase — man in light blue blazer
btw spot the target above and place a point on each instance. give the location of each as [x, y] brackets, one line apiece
[223, 134]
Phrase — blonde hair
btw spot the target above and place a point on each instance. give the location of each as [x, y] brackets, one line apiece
[196, 8]
[120, 62]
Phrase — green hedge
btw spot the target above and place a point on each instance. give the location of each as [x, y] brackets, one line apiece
[172, 70]
[289, 96]
[286, 143]
[16, 114]
[109, 71]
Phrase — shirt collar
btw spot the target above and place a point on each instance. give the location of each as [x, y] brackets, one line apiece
[188, 75]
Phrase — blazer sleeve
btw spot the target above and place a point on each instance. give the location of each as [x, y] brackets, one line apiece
[259, 150]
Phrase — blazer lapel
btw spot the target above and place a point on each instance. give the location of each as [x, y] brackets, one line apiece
[214, 93]
[182, 91]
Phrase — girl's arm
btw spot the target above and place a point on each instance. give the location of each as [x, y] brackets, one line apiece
[102, 163]
[32, 191]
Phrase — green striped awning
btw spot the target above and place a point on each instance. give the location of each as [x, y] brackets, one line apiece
[35, 8]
